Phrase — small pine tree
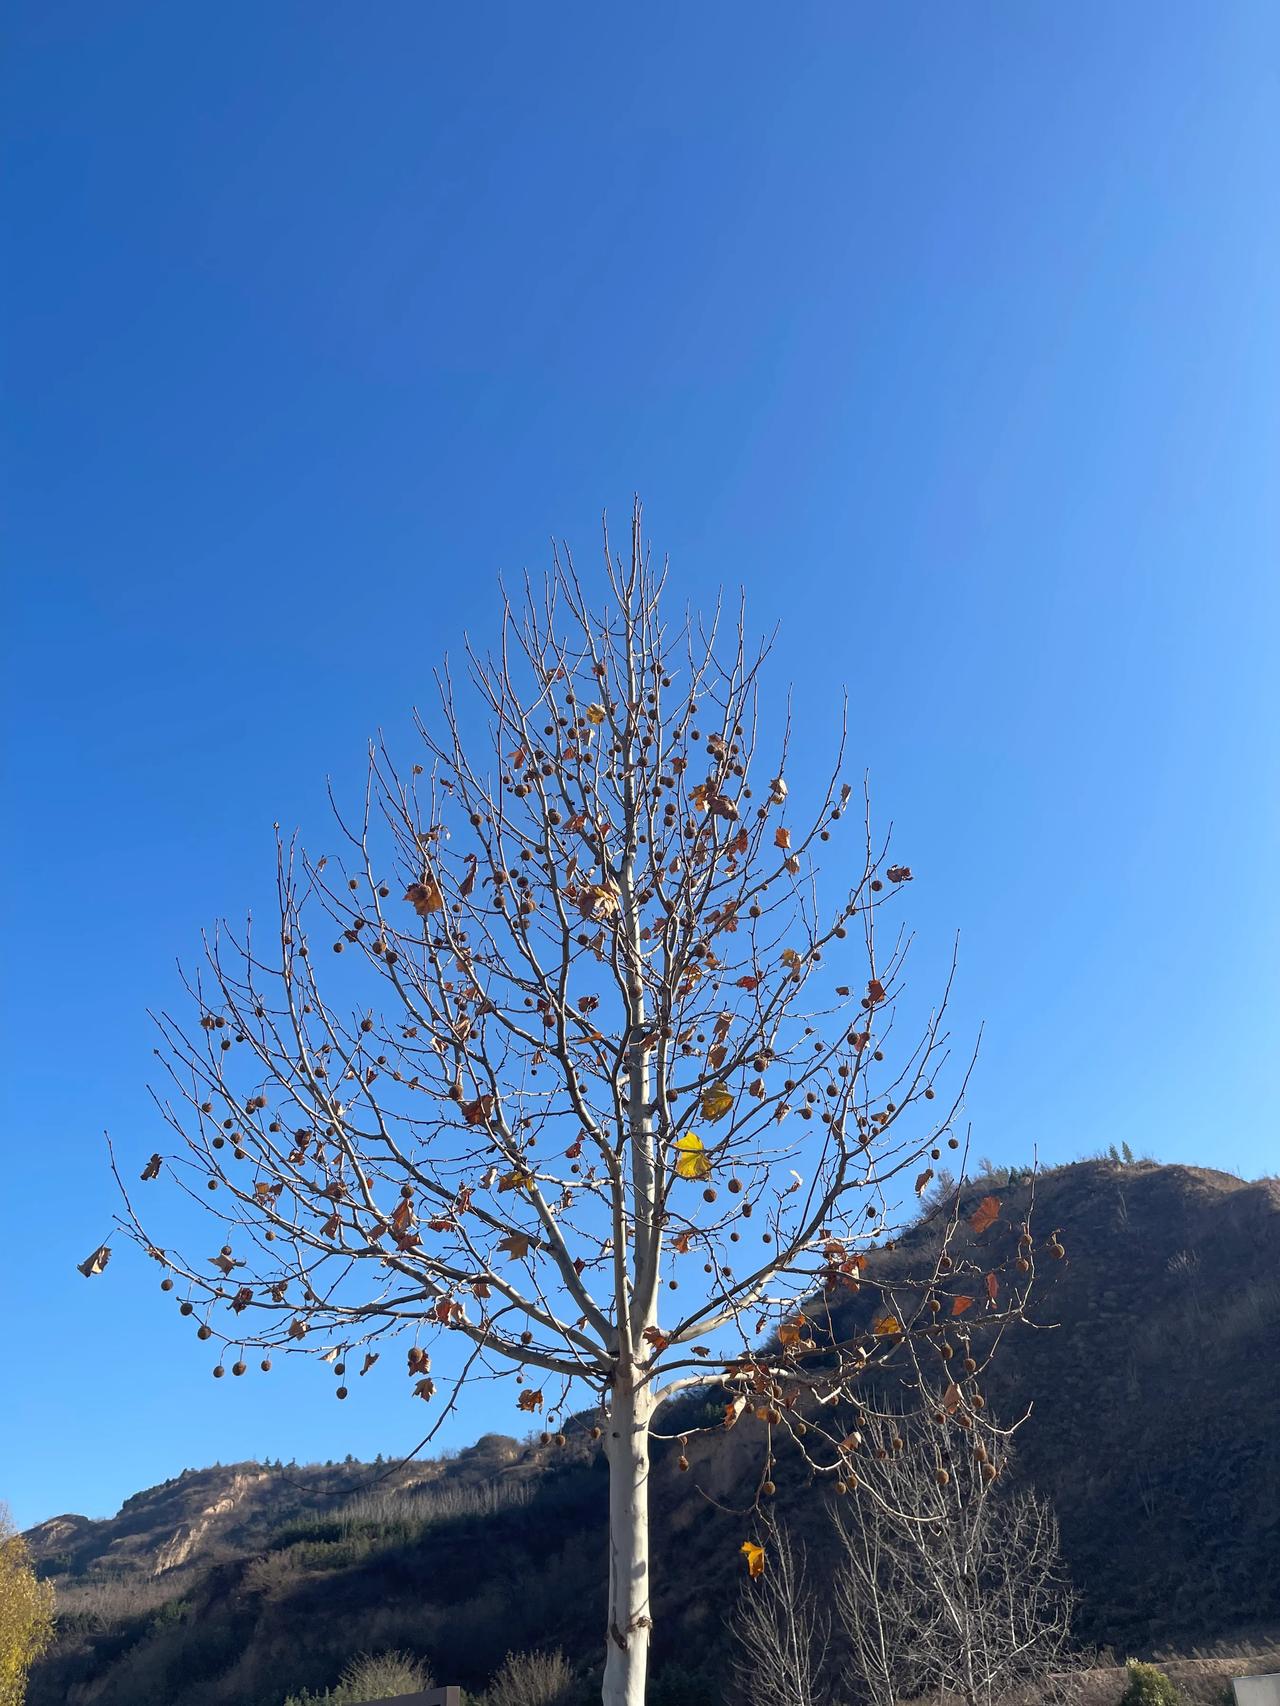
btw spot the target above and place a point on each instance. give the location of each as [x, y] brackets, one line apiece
[1127, 1153]
[1114, 1154]
[1148, 1686]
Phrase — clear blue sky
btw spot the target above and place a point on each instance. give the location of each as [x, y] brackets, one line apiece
[950, 332]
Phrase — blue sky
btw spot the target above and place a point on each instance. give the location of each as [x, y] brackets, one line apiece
[949, 333]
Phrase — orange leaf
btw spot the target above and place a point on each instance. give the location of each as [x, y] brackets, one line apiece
[923, 1180]
[781, 837]
[657, 1338]
[875, 989]
[529, 1401]
[886, 1326]
[516, 1245]
[426, 897]
[993, 1287]
[477, 1112]
[733, 1411]
[986, 1214]
[754, 1555]
[960, 1304]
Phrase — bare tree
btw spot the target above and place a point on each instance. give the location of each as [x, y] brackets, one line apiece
[781, 1631]
[947, 1586]
[583, 1095]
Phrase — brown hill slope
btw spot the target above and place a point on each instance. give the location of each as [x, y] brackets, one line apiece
[1155, 1428]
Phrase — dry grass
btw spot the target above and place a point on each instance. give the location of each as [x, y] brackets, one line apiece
[100, 1602]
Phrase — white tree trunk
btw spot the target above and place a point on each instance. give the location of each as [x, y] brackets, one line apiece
[627, 1439]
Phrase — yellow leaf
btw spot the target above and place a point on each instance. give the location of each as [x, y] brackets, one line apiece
[886, 1326]
[754, 1555]
[716, 1102]
[520, 1180]
[595, 715]
[790, 1331]
[694, 1162]
[790, 957]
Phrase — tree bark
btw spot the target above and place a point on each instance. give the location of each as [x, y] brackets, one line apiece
[627, 1640]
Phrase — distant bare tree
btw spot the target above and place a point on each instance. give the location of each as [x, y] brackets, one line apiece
[947, 1586]
[944, 1587]
[553, 1057]
[781, 1631]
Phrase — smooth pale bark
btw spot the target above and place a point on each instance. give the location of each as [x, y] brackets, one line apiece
[627, 1449]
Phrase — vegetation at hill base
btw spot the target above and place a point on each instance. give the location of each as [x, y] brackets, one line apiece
[1153, 1385]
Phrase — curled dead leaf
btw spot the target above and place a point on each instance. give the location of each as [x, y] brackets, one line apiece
[95, 1263]
[425, 897]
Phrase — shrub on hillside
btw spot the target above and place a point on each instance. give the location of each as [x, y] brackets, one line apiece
[1148, 1686]
[372, 1676]
[530, 1679]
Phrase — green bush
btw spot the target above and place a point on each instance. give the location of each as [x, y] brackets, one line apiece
[1148, 1686]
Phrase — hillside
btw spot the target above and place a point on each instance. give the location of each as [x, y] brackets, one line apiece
[1154, 1381]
